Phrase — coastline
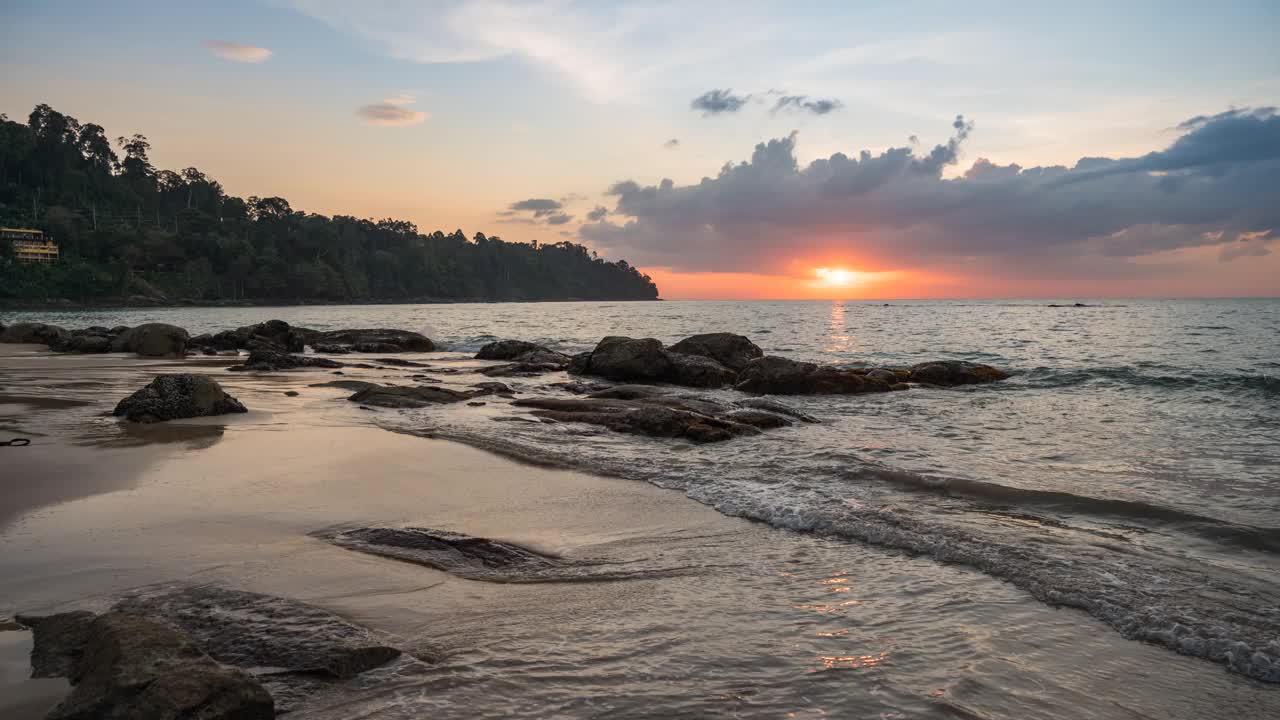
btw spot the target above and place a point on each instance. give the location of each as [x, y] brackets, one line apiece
[14, 305]
[736, 618]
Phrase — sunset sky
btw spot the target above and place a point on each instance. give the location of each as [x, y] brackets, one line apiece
[731, 150]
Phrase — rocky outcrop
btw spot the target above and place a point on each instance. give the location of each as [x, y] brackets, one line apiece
[264, 360]
[375, 340]
[152, 340]
[33, 333]
[417, 396]
[171, 397]
[95, 339]
[949, 373]
[698, 371]
[126, 667]
[782, 376]
[275, 335]
[506, 349]
[624, 358]
[731, 351]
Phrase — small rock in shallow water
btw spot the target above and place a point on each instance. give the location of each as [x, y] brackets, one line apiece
[171, 397]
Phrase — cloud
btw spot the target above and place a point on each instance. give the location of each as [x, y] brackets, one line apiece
[716, 102]
[392, 112]
[238, 52]
[558, 219]
[671, 144]
[817, 106]
[599, 213]
[538, 206]
[1213, 186]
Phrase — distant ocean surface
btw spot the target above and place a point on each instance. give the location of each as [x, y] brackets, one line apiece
[1130, 468]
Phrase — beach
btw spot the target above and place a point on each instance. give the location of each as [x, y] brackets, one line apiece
[717, 615]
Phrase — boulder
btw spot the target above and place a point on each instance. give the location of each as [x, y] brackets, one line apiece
[698, 371]
[624, 358]
[126, 667]
[506, 349]
[660, 417]
[273, 334]
[757, 418]
[33, 333]
[331, 349]
[152, 340]
[781, 376]
[375, 340]
[731, 351]
[579, 363]
[170, 397]
[949, 373]
[264, 360]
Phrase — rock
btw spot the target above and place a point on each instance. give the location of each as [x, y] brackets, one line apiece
[291, 393]
[698, 371]
[152, 340]
[476, 403]
[781, 376]
[401, 396]
[627, 392]
[331, 349]
[170, 397]
[59, 642]
[624, 358]
[496, 388]
[731, 351]
[275, 335]
[506, 349]
[33, 333]
[91, 340]
[579, 363]
[345, 384]
[397, 362]
[376, 340]
[757, 418]
[777, 408]
[955, 372]
[662, 417]
[273, 361]
[132, 668]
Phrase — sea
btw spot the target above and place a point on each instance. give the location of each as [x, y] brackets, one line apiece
[1127, 474]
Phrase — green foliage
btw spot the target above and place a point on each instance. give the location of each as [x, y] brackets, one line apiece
[126, 228]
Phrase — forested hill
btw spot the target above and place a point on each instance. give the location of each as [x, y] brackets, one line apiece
[129, 230]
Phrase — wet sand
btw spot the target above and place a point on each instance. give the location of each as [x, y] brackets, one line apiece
[758, 622]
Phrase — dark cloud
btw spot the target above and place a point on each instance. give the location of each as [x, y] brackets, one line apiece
[599, 213]
[671, 144]
[558, 219]
[1215, 185]
[716, 102]
[817, 106]
[540, 207]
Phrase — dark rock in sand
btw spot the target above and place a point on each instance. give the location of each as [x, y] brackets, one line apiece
[579, 363]
[89, 340]
[376, 340]
[170, 397]
[494, 387]
[627, 392]
[59, 642]
[276, 335]
[528, 359]
[33, 333]
[416, 396]
[128, 667]
[398, 362]
[273, 361]
[345, 384]
[731, 351]
[663, 417]
[331, 349]
[955, 372]
[152, 340]
[782, 376]
[291, 393]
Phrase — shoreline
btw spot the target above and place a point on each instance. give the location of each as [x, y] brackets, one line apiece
[121, 304]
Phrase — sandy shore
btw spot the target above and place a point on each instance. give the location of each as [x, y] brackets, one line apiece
[738, 619]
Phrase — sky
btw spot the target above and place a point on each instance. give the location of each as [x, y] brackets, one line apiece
[729, 149]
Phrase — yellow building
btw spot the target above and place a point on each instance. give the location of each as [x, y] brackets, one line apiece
[30, 246]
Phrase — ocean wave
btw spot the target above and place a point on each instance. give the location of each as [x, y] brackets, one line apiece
[1222, 531]
[1187, 606]
[1048, 378]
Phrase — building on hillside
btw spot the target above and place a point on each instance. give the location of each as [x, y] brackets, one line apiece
[30, 246]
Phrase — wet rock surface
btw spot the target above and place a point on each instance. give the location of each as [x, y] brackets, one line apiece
[124, 666]
[731, 351]
[379, 340]
[417, 396]
[33, 333]
[955, 372]
[176, 396]
[699, 420]
[476, 558]
[266, 360]
[782, 376]
[152, 340]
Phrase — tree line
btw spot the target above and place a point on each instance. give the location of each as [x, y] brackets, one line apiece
[126, 228]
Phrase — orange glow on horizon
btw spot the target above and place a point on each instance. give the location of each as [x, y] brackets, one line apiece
[822, 283]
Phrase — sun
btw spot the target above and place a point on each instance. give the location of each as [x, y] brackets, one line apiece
[835, 277]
